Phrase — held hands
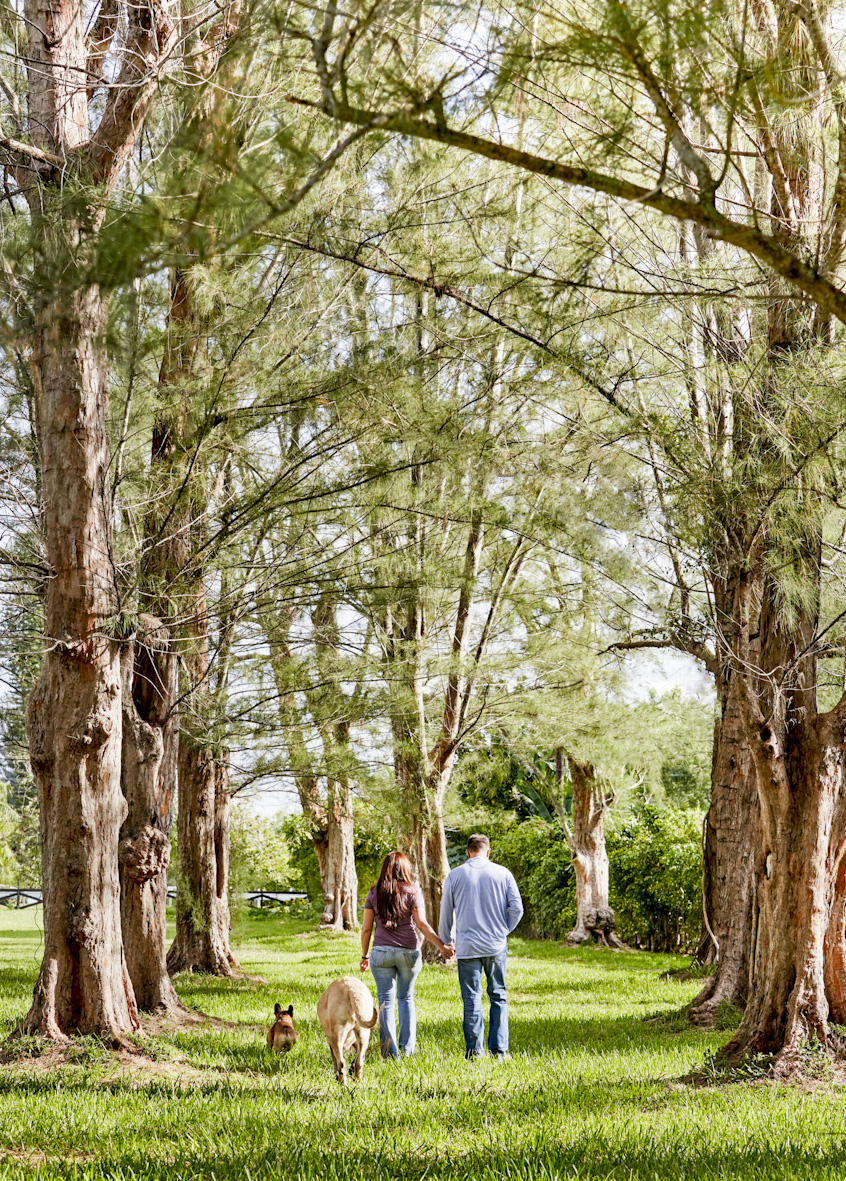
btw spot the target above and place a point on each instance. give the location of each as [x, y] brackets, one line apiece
[447, 950]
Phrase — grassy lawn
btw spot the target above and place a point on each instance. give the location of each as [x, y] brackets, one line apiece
[591, 1090]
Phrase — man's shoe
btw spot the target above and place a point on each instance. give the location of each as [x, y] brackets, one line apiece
[506, 1057]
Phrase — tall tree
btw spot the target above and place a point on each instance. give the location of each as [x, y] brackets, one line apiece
[81, 136]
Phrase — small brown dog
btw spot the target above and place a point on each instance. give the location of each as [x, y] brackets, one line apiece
[347, 1014]
[282, 1035]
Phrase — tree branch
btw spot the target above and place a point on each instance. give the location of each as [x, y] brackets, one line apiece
[22, 149]
[150, 42]
[834, 80]
[675, 132]
[101, 38]
[689, 647]
[801, 273]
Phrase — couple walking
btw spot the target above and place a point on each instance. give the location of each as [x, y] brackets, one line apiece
[483, 905]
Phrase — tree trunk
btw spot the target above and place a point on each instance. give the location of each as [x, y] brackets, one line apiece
[731, 833]
[799, 860]
[222, 835]
[337, 871]
[337, 867]
[799, 758]
[594, 916]
[430, 861]
[74, 713]
[423, 795]
[331, 711]
[149, 689]
[202, 907]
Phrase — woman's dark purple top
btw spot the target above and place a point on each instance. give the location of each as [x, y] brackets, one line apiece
[402, 932]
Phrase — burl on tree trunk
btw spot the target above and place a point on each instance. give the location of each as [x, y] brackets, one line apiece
[149, 690]
[201, 943]
[586, 838]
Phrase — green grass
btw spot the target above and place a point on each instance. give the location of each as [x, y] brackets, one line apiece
[591, 1090]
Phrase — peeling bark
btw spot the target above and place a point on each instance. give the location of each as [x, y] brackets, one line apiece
[800, 760]
[74, 713]
[74, 716]
[796, 867]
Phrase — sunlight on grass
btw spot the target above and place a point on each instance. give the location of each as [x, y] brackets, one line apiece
[590, 1091]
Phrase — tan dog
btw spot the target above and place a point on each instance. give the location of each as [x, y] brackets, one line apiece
[347, 1014]
[282, 1035]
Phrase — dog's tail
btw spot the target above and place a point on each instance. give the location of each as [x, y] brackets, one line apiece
[373, 1020]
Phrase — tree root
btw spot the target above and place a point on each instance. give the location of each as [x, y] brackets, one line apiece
[597, 926]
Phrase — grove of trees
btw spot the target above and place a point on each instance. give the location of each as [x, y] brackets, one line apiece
[378, 379]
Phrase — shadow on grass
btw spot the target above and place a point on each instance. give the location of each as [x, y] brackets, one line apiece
[593, 1157]
[241, 1048]
[614, 961]
[15, 935]
[17, 979]
[545, 1035]
[558, 988]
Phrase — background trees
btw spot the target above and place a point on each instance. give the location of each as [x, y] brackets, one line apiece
[655, 138]
[428, 424]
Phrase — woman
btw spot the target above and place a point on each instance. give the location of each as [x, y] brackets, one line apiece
[396, 907]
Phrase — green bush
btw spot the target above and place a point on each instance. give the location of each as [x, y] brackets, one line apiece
[655, 883]
[539, 857]
[259, 853]
[656, 878]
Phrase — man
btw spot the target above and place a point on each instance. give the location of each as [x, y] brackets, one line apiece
[484, 901]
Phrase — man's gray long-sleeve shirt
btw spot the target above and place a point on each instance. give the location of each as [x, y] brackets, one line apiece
[484, 900]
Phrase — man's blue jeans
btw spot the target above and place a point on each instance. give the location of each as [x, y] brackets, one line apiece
[470, 981]
[395, 969]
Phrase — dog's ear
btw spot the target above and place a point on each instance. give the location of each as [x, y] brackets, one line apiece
[290, 1010]
[277, 1009]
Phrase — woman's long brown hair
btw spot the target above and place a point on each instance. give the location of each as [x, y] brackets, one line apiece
[395, 872]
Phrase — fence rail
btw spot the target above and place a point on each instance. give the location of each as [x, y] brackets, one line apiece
[11, 896]
[19, 899]
[260, 898]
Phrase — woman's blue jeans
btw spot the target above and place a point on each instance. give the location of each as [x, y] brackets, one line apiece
[395, 969]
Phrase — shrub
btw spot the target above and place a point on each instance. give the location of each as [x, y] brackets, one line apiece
[655, 884]
[259, 854]
[539, 857]
[656, 878]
